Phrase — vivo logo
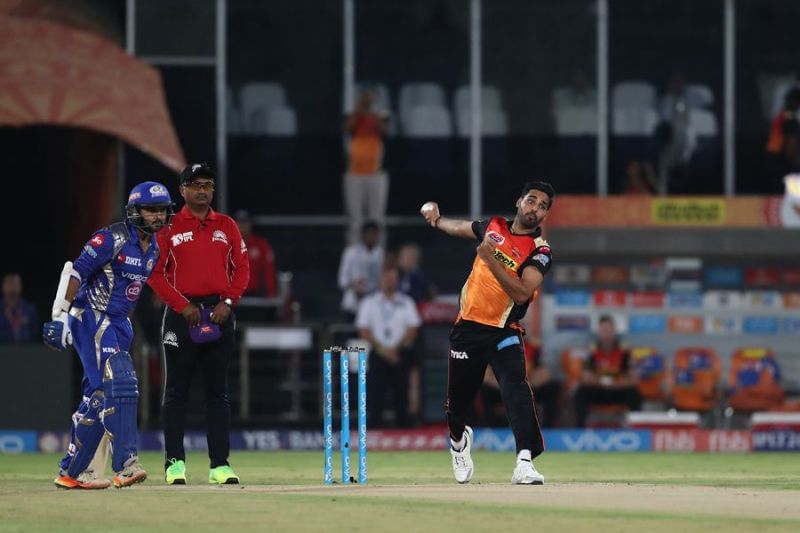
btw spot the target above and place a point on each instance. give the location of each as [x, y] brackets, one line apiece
[590, 441]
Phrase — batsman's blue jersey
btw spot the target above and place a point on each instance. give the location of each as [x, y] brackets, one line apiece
[113, 269]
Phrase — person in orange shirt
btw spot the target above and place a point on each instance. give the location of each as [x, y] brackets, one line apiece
[366, 184]
[509, 268]
[263, 281]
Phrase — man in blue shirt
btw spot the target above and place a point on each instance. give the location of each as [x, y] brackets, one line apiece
[96, 295]
[18, 318]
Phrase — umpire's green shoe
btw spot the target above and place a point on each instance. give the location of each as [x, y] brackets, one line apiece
[176, 472]
[223, 475]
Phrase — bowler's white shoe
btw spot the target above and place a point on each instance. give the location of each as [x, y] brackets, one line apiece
[526, 474]
[462, 460]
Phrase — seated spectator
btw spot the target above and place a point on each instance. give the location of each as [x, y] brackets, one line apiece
[607, 377]
[413, 280]
[389, 321]
[19, 321]
[263, 279]
[783, 145]
[360, 269]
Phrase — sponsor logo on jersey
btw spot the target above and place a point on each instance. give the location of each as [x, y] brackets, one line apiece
[97, 240]
[496, 237]
[458, 355]
[133, 290]
[542, 259]
[109, 349]
[149, 264]
[180, 238]
[543, 250]
[134, 196]
[171, 339]
[244, 248]
[88, 249]
[133, 277]
[128, 260]
[507, 261]
[158, 190]
[219, 236]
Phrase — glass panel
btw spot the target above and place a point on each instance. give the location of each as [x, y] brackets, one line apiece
[766, 69]
[666, 95]
[415, 53]
[539, 64]
[284, 107]
[175, 27]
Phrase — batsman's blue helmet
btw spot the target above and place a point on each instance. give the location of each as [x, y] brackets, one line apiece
[148, 194]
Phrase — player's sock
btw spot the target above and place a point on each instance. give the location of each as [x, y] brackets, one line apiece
[458, 445]
[524, 455]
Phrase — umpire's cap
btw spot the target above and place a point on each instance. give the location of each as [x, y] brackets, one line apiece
[196, 170]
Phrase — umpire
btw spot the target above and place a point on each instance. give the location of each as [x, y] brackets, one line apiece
[201, 274]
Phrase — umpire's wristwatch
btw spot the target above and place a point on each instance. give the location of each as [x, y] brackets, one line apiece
[228, 302]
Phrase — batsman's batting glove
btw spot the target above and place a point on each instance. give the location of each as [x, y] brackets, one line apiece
[57, 334]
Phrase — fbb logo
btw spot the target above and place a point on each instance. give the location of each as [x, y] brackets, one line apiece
[133, 290]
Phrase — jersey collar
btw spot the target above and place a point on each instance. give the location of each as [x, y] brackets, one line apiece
[186, 214]
[536, 233]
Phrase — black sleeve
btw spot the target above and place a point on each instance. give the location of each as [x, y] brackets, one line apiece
[626, 362]
[479, 228]
[541, 259]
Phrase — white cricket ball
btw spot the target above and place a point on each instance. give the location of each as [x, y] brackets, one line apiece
[427, 207]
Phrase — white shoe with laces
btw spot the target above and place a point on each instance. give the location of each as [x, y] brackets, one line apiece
[525, 474]
[462, 460]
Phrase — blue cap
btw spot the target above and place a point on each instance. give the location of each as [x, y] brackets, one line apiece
[149, 193]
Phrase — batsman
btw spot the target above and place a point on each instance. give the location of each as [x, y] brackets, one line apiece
[95, 297]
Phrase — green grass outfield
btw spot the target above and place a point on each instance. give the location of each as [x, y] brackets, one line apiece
[414, 491]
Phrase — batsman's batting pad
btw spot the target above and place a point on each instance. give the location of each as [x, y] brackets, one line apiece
[88, 432]
[119, 416]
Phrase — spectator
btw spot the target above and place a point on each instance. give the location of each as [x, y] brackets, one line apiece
[263, 280]
[19, 321]
[607, 376]
[366, 184]
[360, 269]
[388, 320]
[673, 136]
[579, 93]
[783, 145]
[413, 280]
[640, 178]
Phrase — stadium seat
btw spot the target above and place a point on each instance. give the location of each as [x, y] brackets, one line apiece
[278, 121]
[651, 372]
[575, 121]
[490, 98]
[695, 374]
[631, 121]
[494, 122]
[703, 123]
[572, 360]
[633, 94]
[416, 94]
[754, 381]
[699, 96]
[428, 121]
[260, 95]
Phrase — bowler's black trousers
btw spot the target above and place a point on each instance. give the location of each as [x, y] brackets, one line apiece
[181, 358]
[472, 347]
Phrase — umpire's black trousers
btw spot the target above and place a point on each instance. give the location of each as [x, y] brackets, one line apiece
[472, 347]
[181, 357]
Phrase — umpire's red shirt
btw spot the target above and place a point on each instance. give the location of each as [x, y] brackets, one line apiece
[200, 258]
